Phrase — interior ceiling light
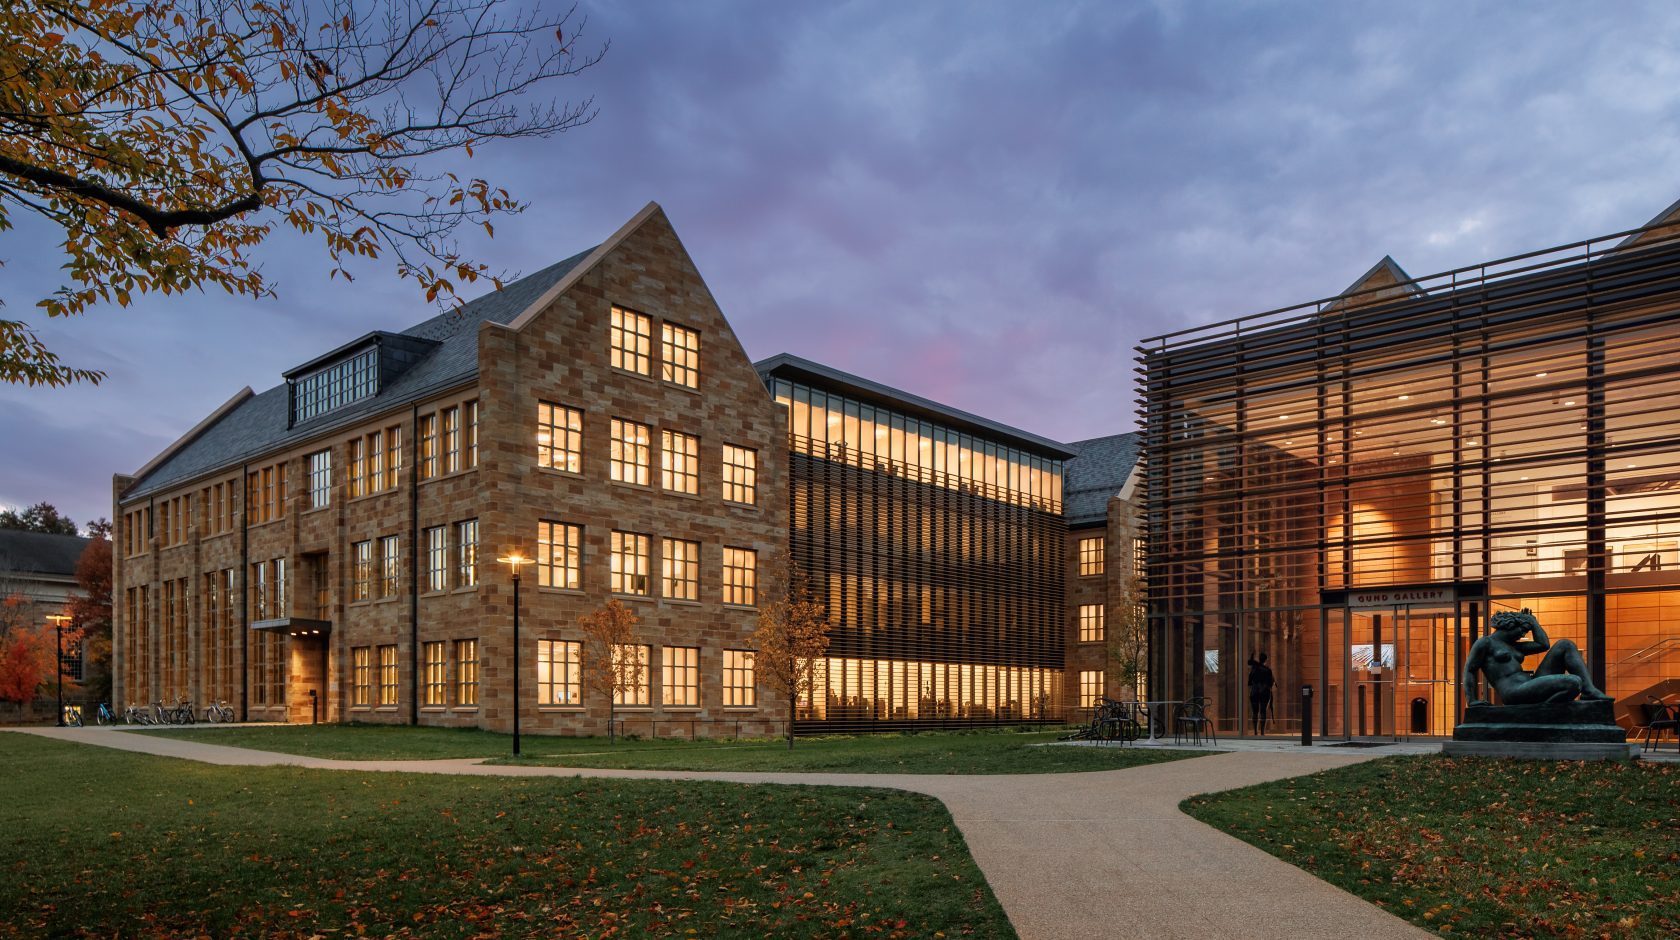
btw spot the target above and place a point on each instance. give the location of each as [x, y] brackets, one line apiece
[1569, 403]
[1283, 417]
[1539, 375]
[1437, 420]
[1405, 398]
[1523, 478]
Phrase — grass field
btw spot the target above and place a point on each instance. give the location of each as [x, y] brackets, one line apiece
[106, 843]
[975, 752]
[1481, 848]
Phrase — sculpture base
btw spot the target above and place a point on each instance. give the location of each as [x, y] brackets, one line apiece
[1578, 722]
[1538, 750]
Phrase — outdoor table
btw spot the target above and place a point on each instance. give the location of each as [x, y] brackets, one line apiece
[1149, 715]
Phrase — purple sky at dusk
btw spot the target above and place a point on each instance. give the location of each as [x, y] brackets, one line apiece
[987, 204]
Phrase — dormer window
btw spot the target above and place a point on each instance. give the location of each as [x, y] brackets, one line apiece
[337, 385]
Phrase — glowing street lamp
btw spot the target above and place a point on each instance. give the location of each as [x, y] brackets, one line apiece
[514, 560]
[58, 621]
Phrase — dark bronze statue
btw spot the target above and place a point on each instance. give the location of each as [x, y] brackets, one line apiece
[1562, 676]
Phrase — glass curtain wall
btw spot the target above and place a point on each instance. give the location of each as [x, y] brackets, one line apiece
[1354, 488]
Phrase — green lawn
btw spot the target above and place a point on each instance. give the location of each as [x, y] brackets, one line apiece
[974, 752]
[105, 843]
[1477, 847]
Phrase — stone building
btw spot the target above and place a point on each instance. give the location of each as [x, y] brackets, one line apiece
[327, 549]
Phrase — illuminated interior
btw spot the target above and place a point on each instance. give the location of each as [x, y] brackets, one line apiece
[1355, 489]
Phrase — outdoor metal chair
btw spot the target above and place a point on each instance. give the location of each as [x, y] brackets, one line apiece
[1192, 722]
[1659, 718]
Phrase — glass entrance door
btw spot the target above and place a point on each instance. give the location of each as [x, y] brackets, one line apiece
[1401, 672]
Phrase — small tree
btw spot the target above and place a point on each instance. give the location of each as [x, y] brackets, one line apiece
[25, 652]
[613, 664]
[792, 634]
[1128, 630]
[91, 614]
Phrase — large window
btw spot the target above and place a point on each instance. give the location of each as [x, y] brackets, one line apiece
[681, 674]
[469, 429]
[559, 672]
[393, 455]
[466, 553]
[361, 676]
[1090, 623]
[559, 555]
[1090, 688]
[428, 446]
[740, 689]
[680, 355]
[1090, 557]
[740, 576]
[389, 566]
[434, 690]
[679, 462]
[337, 385]
[387, 675]
[634, 658]
[559, 437]
[632, 341]
[466, 673]
[320, 479]
[265, 494]
[451, 439]
[437, 558]
[629, 452]
[361, 571]
[740, 474]
[358, 468]
[681, 570]
[629, 563]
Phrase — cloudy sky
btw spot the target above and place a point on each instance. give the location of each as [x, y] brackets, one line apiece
[984, 203]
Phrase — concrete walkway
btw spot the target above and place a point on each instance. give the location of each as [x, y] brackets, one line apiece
[1068, 855]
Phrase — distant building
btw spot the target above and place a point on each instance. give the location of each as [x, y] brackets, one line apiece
[41, 567]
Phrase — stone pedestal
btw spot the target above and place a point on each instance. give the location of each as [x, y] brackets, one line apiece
[1580, 730]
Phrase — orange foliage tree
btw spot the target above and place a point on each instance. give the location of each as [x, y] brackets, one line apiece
[792, 634]
[167, 139]
[613, 662]
[90, 614]
[26, 652]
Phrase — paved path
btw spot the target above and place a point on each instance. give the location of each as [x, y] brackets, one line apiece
[1068, 855]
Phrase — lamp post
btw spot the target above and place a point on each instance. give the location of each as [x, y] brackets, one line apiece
[514, 560]
[58, 662]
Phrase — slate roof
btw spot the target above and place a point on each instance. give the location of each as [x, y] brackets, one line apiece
[40, 553]
[1099, 472]
[257, 425]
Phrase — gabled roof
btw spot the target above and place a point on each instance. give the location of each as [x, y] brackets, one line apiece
[1670, 214]
[249, 426]
[794, 368]
[1099, 473]
[1386, 280]
[40, 553]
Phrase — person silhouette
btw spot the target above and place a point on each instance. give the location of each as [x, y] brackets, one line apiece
[1260, 684]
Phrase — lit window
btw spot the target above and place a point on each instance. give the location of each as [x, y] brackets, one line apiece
[1090, 623]
[632, 341]
[559, 672]
[388, 566]
[679, 462]
[435, 688]
[681, 674]
[629, 452]
[1090, 689]
[680, 355]
[361, 676]
[393, 455]
[681, 570]
[451, 439]
[470, 428]
[740, 576]
[466, 672]
[1090, 556]
[437, 559]
[320, 479]
[629, 563]
[559, 437]
[559, 554]
[358, 469]
[740, 690]
[635, 688]
[387, 675]
[466, 553]
[375, 461]
[361, 571]
[428, 446]
[740, 474]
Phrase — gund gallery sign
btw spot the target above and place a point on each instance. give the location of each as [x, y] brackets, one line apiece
[1402, 597]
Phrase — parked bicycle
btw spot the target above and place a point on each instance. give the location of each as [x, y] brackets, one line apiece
[218, 712]
[104, 715]
[72, 716]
